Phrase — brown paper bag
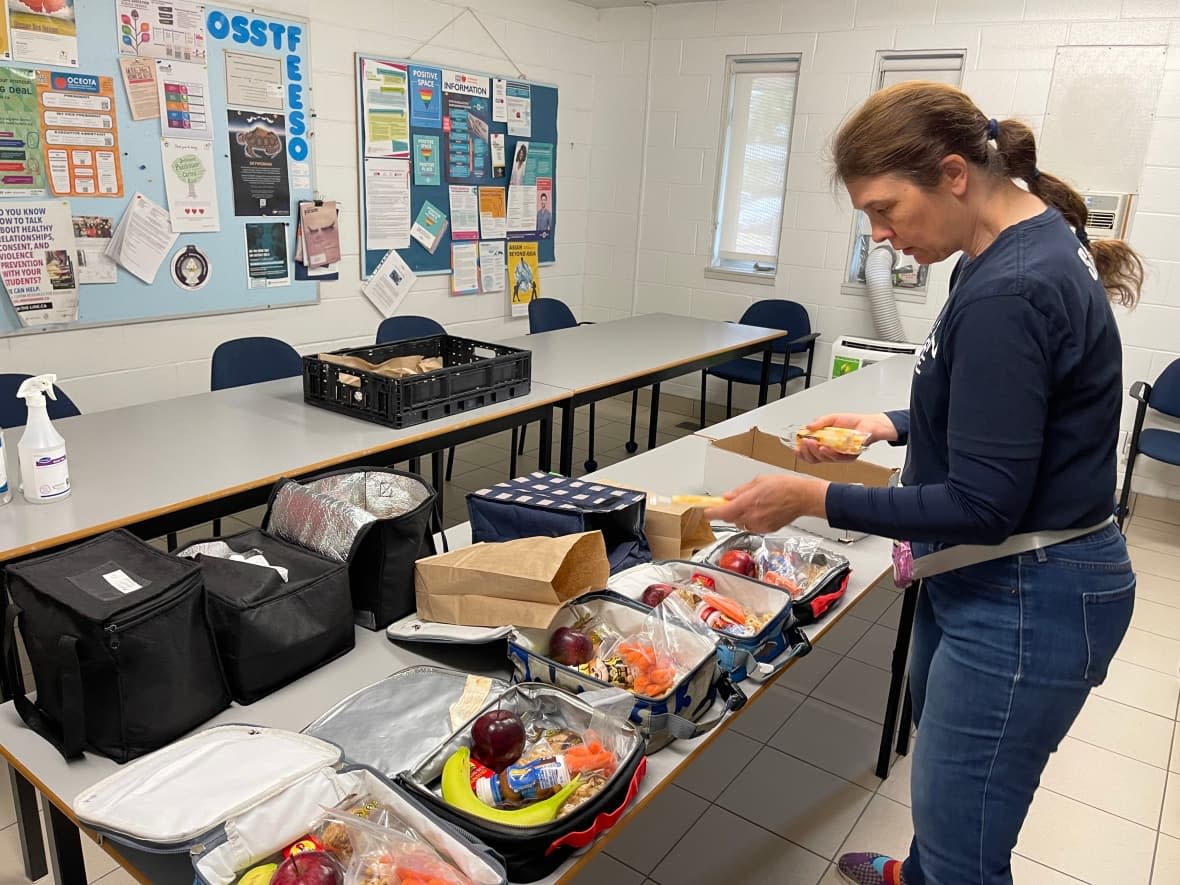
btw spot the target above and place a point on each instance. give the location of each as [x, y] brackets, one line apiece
[522, 583]
[676, 531]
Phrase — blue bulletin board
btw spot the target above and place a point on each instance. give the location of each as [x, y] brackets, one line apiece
[543, 131]
[284, 38]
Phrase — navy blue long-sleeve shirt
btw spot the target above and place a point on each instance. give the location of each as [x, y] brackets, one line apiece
[1015, 402]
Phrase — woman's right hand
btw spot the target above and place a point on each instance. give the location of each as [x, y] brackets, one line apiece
[877, 426]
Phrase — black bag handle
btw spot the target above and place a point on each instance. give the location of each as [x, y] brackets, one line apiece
[436, 524]
[70, 736]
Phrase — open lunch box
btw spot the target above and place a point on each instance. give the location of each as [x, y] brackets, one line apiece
[814, 576]
[249, 791]
[753, 653]
[685, 710]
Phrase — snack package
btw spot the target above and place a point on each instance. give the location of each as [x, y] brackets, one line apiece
[651, 660]
[795, 564]
[382, 856]
[334, 837]
[713, 608]
[838, 439]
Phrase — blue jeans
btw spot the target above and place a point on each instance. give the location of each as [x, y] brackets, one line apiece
[1004, 654]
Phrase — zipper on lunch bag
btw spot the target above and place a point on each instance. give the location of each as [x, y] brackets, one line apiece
[115, 628]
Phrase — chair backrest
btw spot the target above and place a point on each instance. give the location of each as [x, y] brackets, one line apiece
[778, 313]
[14, 412]
[1165, 393]
[548, 315]
[401, 328]
[252, 361]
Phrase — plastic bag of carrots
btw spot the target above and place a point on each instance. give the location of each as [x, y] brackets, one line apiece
[382, 856]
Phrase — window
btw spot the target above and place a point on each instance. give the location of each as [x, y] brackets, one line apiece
[757, 119]
[944, 66]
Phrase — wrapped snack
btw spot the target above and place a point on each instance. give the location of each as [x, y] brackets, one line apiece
[333, 836]
[798, 565]
[839, 439]
[381, 856]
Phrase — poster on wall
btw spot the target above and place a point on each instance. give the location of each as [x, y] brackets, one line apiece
[519, 109]
[464, 212]
[254, 82]
[183, 92]
[532, 175]
[190, 185]
[466, 128]
[491, 266]
[38, 262]
[426, 160]
[387, 209]
[22, 173]
[44, 32]
[385, 109]
[426, 97]
[258, 163]
[544, 223]
[524, 274]
[172, 29]
[92, 235]
[80, 134]
[493, 213]
[5, 48]
[464, 268]
[266, 255]
[139, 81]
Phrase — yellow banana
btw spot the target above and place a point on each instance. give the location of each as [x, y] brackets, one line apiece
[457, 792]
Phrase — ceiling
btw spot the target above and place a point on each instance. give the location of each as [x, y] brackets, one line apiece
[612, 4]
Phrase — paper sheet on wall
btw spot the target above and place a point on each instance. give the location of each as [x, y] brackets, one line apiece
[522, 209]
[142, 238]
[139, 82]
[5, 47]
[81, 134]
[491, 266]
[266, 255]
[385, 108]
[498, 169]
[43, 31]
[37, 262]
[162, 29]
[190, 184]
[493, 213]
[464, 268]
[182, 90]
[92, 235]
[389, 283]
[519, 108]
[253, 82]
[499, 100]
[23, 171]
[387, 209]
[524, 274]
[464, 212]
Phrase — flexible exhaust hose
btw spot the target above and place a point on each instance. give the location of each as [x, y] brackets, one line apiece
[879, 281]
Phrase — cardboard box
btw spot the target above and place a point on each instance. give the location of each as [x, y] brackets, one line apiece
[523, 583]
[738, 459]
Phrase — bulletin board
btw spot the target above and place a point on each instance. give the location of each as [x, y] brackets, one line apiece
[543, 130]
[129, 299]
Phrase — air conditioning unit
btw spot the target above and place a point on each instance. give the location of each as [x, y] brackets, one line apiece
[850, 354]
[1108, 215]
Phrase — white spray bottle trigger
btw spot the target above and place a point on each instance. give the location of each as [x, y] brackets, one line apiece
[34, 390]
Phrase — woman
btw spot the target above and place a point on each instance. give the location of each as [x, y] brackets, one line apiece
[1012, 429]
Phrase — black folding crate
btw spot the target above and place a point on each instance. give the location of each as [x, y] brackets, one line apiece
[474, 374]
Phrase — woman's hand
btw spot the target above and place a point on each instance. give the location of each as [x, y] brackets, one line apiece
[767, 503]
[878, 427]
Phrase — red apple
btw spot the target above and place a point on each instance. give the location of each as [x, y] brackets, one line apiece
[309, 868]
[738, 561]
[570, 647]
[497, 739]
[656, 593]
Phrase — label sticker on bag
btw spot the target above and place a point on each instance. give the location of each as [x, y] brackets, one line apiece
[120, 580]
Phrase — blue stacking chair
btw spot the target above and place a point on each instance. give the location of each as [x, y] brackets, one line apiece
[1154, 442]
[549, 315]
[253, 360]
[773, 313]
[14, 412]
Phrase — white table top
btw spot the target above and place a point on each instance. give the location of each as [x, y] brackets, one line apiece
[587, 357]
[143, 461]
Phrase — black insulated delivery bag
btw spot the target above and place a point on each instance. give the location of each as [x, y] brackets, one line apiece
[273, 623]
[121, 649]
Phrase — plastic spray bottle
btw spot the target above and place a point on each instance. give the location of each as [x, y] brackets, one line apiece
[44, 471]
[5, 491]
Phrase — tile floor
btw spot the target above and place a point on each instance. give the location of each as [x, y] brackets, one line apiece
[790, 785]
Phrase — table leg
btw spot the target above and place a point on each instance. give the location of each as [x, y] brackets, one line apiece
[653, 425]
[905, 726]
[566, 460]
[545, 453]
[437, 465]
[897, 679]
[764, 381]
[28, 825]
[65, 846]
